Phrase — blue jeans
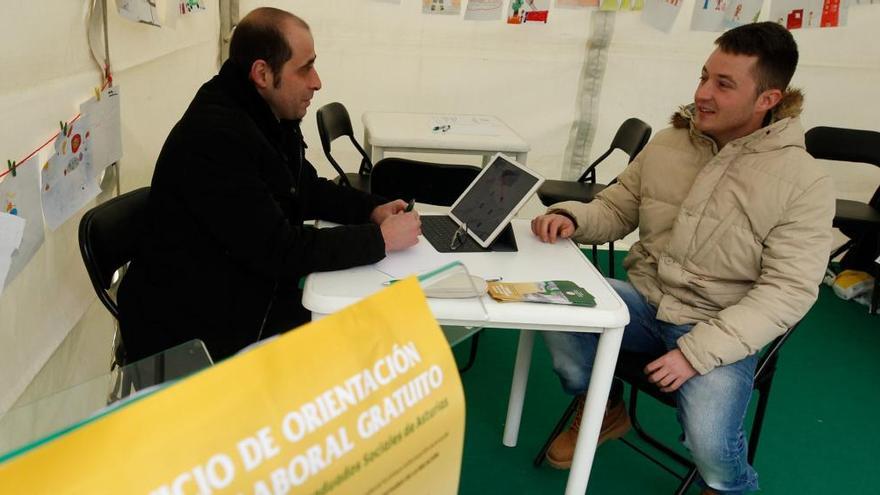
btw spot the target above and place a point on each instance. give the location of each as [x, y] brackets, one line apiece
[711, 407]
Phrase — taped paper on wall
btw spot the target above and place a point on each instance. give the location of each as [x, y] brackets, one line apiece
[20, 196]
[106, 128]
[67, 180]
[11, 230]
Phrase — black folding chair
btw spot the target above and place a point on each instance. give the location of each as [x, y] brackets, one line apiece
[334, 122]
[432, 183]
[108, 238]
[858, 221]
[630, 369]
[630, 138]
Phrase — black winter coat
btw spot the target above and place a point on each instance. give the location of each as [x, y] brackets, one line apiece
[224, 244]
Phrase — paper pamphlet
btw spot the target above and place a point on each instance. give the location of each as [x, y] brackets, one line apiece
[548, 292]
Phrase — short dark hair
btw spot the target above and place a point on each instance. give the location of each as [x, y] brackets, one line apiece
[774, 46]
[260, 36]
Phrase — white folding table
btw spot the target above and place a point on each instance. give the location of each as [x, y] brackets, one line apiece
[328, 292]
[440, 133]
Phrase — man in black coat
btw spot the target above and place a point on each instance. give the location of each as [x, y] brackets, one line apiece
[225, 245]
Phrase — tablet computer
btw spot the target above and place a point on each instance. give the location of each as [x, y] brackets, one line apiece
[493, 198]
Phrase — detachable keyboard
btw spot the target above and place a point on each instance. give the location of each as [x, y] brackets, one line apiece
[439, 229]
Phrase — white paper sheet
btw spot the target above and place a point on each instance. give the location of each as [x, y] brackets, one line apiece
[661, 14]
[739, 12]
[418, 259]
[442, 7]
[708, 15]
[67, 180]
[576, 4]
[471, 125]
[20, 196]
[484, 10]
[11, 232]
[106, 128]
[139, 11]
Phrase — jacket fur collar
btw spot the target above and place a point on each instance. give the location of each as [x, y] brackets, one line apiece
[790, 105]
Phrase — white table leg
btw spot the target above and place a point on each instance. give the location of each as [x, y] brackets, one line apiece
[518, 386]
[594, 410]
[375, 153]
[521, 157]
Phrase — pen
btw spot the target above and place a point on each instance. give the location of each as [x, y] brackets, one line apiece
[410, 205]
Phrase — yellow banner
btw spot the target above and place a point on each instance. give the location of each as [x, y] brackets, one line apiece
[367, 400]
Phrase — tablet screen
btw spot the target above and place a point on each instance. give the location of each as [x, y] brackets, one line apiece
[493, 198]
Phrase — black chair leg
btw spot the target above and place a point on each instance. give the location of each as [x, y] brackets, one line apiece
[475, 342]
[596, 257]
[758, 422]
[687, 481]
[657, 444]
[611, 259]
[560, 425]
[875, 297]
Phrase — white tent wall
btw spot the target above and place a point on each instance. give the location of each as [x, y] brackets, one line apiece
[50, 309]
[371, 56]
[381, 56]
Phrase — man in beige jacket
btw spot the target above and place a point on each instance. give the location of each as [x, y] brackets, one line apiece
[734, 222]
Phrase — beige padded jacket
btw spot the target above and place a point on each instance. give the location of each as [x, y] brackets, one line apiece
[734, 241]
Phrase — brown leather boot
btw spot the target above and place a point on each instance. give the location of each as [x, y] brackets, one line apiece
[615, 424]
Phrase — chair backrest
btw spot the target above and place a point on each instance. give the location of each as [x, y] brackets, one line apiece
[848, 145]
[433, 183]
[108, 237]
[334, 122]
[632, 135]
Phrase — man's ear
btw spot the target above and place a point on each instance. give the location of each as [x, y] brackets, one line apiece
[261, 74]
[768, 99]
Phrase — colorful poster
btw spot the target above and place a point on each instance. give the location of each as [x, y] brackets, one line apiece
[525, 11]
[808, 14]
[366, 400]
[739, 12]
[106, 128]
[143, 11]
[442, 7]
[708, 15]
[67, 180]
[20, 196]
[11, 231]
[190, 6]
[661, 14]
[484, 10]
[719, 15]
[609, 5]
[634, 5]
[576, 4]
